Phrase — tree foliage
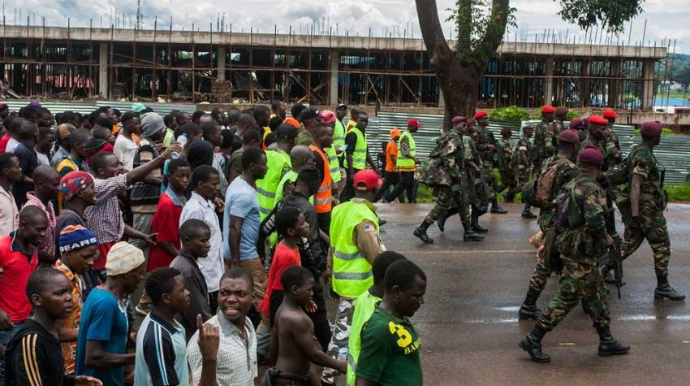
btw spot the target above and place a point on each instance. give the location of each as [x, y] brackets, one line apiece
[609, 14]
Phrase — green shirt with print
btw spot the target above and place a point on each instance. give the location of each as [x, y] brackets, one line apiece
[390, 351]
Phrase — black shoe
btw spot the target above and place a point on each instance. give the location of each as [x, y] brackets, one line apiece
[479, 229]
[528, 312]
[532, 345]
[495, 208]
[667, 292]
[608, 345]
[421, 234]
[382, 222]
[441, 222]
[471, 236]
[528, 214]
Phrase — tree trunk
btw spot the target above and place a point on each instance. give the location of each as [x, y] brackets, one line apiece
[460, 84]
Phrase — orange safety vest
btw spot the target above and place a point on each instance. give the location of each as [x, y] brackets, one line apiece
[324, 197]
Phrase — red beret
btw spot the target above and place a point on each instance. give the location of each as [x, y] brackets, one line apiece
[651, 129]
[506, 131]
[577, 124]
[609, 113]
[591, 155]
[548, 109]
[597, 120]
[471, 121]
[458, 119]
[480, 115]
[569, 136]
[562, 111]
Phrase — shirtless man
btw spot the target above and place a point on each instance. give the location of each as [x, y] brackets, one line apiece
[296, 348]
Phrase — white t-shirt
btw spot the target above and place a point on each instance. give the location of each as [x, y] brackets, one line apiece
[125, 150]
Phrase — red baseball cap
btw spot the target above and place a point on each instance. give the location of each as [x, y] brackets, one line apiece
[368, 178]
[413, 122]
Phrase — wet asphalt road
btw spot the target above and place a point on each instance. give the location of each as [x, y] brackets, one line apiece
[469, 325]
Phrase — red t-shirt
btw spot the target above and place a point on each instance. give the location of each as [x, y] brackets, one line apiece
[17, 267]
[165, 222]
[3, 142]
[283, 258]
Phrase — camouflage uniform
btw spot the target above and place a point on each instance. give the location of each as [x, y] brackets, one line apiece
[651, 210]
[558, 126]
[505, 153]
[581, 246]
[612, 150]
[521, 170]
[543, 145]
[567, 170]
[484, 137]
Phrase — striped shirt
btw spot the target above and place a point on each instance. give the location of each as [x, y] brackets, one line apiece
[34, 358]
[161, 353]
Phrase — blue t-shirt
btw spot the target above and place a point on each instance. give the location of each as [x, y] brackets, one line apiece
[103, 319]
[241, 201]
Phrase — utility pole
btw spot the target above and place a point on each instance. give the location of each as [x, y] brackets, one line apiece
[140, 17]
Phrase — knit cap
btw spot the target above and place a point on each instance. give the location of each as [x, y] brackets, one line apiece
[74, 182]
[123, 258]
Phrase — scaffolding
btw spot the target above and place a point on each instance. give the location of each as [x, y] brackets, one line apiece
[226, 67]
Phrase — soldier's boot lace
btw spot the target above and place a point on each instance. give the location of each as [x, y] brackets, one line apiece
[532, 345]
[608, 345]
[529, 309]
[665, 291]
[420, 232]
[527, 212]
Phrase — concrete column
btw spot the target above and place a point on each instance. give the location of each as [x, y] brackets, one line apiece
[333, 84]
[103, 89]
[614, 84]
[548, 89]
[221, 63]
[648, 85]
[441, 101]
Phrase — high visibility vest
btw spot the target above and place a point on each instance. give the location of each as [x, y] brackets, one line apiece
[324, 196]
[364, 307]
[338, 136]
[351, 271]
[333, 162]
[407, 164]
[278, 162]
[359, 155]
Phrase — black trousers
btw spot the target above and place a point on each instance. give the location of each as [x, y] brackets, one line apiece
[406, 184]
[390, 180]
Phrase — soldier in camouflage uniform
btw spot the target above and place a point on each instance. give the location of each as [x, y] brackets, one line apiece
[582, 242]
[503, 156]
[564, 161]
[612, 145]
[642, 205]
[444, 172]
[522, 165]
[543, 139]
[487, 147]
[559, 125]
[479, 195]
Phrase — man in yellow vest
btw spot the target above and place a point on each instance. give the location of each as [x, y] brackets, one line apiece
[278, 162]
[406, 162]
[355, 243]
[323, 139]
[356, 154]
[330, 119]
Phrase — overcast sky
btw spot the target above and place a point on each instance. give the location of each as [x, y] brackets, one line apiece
[665, 18]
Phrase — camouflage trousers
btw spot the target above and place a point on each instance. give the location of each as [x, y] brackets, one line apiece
[522, 178]
[579, 282]
[654, 230]
[507, 180]
[542, 270]
[340, 339]
[446, 200]
[490, 180]
[536, 167]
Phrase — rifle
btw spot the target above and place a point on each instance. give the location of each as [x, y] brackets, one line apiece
[613, 256]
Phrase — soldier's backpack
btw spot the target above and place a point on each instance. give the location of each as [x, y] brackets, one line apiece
[529, 193]
[545, 190]
[563, 220]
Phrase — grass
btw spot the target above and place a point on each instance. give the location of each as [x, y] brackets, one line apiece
[678, 193]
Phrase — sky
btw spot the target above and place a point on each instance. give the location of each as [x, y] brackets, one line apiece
[666, 20]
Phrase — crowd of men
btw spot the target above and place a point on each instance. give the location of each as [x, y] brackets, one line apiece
[185, 249]
[228, 230]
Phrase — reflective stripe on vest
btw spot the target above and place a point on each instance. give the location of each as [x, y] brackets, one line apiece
[277, 162]
[405, 162]
[335, 165]
[324, 196]
[338, 136]
[351, 271]
[359, 155]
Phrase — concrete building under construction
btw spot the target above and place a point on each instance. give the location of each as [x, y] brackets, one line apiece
[222, 67]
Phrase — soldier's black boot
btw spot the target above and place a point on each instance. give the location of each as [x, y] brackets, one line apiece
[608, 345]
[532, 345]
[529, 309]
[495, 208]
[607, 272]
[664, 290]
[474, 226]
[470, 235]
[527, 213]
[420, 232]
[441, 222]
